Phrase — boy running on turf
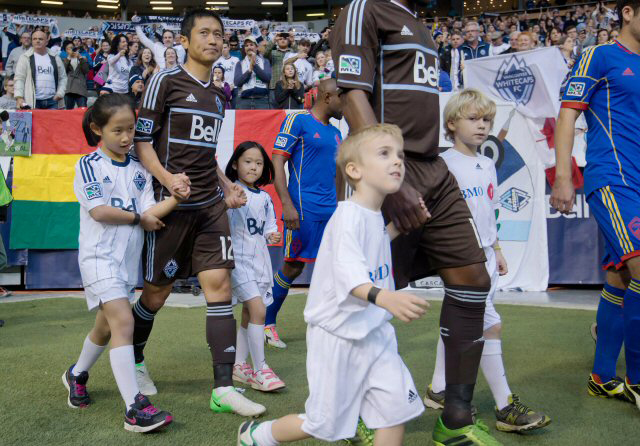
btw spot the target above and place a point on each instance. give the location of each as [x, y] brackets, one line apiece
[353, 365]
[468, 118]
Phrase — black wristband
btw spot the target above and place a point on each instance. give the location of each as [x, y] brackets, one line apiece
[136, 219]
[372, 295]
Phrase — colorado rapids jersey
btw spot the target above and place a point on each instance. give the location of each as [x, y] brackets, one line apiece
[478, 182]
[110, 251]
[379, 46]
[182, 118]
[250, 225]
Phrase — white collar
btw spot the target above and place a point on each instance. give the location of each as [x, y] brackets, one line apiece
[193, 77]
[405, 8]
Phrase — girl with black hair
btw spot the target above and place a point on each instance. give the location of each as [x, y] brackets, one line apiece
[252, 227]
[116, 207]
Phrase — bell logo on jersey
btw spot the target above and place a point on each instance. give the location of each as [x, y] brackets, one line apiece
[139, 180]
[423, 74]
[93, 190]
[199, 131]
[252, 226]
[380, 273]
[120, 203]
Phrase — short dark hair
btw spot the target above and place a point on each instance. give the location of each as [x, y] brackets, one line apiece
[168, 31]
[268, 172]
[570, 27]
[190, 19]
[635, 4]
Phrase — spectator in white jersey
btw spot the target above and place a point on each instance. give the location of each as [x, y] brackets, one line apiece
[159, 48]
[299, 59]
[252, 77]
[228, 64]
[119, 66]
[40, 79]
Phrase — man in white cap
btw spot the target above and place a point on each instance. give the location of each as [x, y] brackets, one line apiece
[252, 77]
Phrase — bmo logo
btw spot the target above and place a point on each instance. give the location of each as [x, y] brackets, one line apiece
[423, 74]
[201, 132]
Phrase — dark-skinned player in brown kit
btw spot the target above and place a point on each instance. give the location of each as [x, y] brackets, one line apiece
[386, 66]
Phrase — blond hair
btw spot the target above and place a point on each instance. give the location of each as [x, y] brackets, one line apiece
[350, 149]
[459, 107]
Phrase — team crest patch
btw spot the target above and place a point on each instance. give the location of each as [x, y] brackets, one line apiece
[634, 226]
[281, 141]
[515, 81]
[514, 199]
[170, 269]
[93, 190]
[139, 180]
[350, 65]
[219, 104]
[144, 126]
[575, 89]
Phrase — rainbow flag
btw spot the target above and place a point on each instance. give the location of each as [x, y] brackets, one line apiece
[45, 212]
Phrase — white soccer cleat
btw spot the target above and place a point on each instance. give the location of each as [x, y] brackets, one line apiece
[272, 338]
[243, 373]
[145, 383]
[266, 380]
[227, 400]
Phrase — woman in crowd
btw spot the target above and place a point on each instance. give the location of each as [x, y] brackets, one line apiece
[603, 36]
[289, 89]
[8, 101]
[321, 71]
[218, 81]
[100, 60]
[170, 58]
[566, 48]
[77, 67]
[145, 65]
[119, 66]
[133, 51]
[554, 37]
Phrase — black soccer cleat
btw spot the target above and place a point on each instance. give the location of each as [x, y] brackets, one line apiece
[77, 388]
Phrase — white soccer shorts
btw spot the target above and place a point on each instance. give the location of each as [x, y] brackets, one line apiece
[107, 290]
[250, 290]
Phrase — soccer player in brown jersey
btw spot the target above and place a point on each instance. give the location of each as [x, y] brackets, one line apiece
[386, 65]
[176, 136]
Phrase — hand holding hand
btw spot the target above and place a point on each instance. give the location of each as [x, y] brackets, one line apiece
[150, 223]
[404, 306]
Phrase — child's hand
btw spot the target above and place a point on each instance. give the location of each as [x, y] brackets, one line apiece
[404, 306]
[502, 263]
[274, 238]
[180, 186]
[234, 196]
[150, 223]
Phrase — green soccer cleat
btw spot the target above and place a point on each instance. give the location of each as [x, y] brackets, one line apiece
[245, 433]
[232, 401]
[474, 434]
[611, 389]
[364, 435]
[632, 392]
[517, 417]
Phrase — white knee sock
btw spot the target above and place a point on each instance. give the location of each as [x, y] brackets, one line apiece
[255, 333]
[242, 345]
[493, 371]
[264, 436]
[438, 383]
[124, 371]
[88, 356]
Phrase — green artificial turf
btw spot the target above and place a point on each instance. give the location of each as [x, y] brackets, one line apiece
[548, 355]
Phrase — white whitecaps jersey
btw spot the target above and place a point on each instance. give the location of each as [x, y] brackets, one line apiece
[111, 251]
[478, 182]
[250, 225]
[355, 250]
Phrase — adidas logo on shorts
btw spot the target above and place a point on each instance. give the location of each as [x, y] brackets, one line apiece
[230, 349]
[191, 98]
[406, 31]
[412, 396]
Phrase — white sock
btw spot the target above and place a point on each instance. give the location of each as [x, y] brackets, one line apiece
[263, 435]
[88, 356]
[439, 382]
[242, 346]
[255, 333]
[124, 371]
[493, 371]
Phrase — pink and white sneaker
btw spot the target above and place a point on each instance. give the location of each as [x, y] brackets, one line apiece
[243, 373]
[266, 380]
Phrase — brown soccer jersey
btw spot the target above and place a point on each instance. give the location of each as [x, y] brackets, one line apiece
[380, 46]
[182, 118]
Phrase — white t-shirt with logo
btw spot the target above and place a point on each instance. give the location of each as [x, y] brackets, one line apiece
[229, 67]
[478, 184]
[304, 68]
[118, 79]
[45, 79]
[355, 250]
[110, 251]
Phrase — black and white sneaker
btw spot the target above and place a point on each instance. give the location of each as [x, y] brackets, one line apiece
[144, 417]
[77, 387]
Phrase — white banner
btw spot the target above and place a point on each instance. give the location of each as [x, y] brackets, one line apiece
[531, 79]
[71, 33]
[21, 19]
[234, 25]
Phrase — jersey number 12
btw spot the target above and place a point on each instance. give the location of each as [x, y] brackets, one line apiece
[227, 247]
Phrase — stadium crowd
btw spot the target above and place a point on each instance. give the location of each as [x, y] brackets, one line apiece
[260, 69]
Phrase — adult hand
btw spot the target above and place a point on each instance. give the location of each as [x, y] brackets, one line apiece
[180, 186]
[406, 209]
[123, 53]
[563, 195]
[57, 98]
[290, 217]
[234, 196]
[19, 103]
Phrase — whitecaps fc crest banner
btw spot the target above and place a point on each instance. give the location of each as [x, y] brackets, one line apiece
[531, 79]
